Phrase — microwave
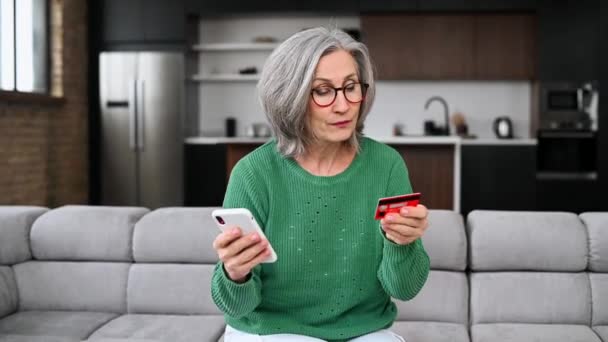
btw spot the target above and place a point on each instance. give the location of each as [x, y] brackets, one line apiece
[569, 105]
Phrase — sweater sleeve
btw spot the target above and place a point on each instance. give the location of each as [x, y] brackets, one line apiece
[244, 191]
[404, 268]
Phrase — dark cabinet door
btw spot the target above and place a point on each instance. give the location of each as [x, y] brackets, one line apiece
[210, 8]
[204, 175]
[570, 195]
[411, 46]
[505, 47]
[569, 40]
[164, 21]
[498, 177]
[506, 5]
[122, 20]
[386, 5]
[446, 5]
[140, 22]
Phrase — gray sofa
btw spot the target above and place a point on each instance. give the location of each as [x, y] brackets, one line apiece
[89, 273]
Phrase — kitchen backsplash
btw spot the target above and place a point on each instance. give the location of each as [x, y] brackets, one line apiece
[479, 102]
[397, 102]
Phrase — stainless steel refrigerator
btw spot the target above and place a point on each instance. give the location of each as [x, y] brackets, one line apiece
[141, 97]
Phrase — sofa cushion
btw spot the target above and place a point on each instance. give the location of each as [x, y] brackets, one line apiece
[75, 324]
[85, 286]
[431, 331]
[444, 298]
[163, 328]
[597, 227]
[602, 331]
[520, 241]
[530, 297]
[85, 233]
[173, 235]
[171, 289]
[599, 298]
[532, 332]
[8, 292]
[28, 338]
[15, 225]
[445, 240]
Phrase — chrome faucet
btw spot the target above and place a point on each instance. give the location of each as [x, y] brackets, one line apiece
[446, 129]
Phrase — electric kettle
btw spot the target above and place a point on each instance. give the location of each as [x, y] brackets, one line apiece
[503, 127]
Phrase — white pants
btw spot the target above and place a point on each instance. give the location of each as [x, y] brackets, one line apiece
[233, 335]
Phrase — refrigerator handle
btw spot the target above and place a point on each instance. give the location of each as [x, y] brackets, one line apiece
[132, 115]
[141, 110]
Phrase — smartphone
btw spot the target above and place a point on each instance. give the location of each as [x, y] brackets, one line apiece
[226, 219]
[394, 204]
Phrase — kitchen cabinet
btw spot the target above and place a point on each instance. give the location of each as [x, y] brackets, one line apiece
[603, 109]
[569, 40]
[431, 171]
[573, 195]
[451, 46]
[385, 5]
[141, 22]
[505, 46]
[506, 5]
[411, 46]
[498, 177]
[204, 174]
[446, 5]
[214, 8]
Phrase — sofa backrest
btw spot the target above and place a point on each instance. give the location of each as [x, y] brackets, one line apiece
[82, 256]
[15, 225]
[8, 292]
[174, 262]
[528, 267]
[597, 226]
[446, 245]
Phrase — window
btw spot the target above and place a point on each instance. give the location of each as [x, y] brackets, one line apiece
[24, 52]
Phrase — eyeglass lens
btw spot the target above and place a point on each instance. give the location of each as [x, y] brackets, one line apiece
[326, 95]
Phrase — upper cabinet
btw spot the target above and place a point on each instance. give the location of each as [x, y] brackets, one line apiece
[142, 22]
[505, 46]
[206, 8]
[411, 46]
[447, 5]
[569, 40]
[451, 46]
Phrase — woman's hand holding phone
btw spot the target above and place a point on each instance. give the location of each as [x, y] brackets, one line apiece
[240, 253]
[242, 244]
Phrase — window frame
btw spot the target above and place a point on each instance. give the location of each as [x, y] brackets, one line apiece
[15, 95]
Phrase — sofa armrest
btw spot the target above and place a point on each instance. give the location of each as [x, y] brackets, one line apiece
[8, 292]
[15, 226]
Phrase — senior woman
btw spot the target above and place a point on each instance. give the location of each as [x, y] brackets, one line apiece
[314, 189]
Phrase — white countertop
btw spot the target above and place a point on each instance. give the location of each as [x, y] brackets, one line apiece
[406, 140]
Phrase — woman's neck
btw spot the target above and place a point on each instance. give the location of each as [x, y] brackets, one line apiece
[326, 159]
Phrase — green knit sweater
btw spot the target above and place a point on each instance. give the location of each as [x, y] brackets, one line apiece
[336, 272]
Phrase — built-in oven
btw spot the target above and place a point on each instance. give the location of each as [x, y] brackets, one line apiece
[567, 134]
[566, 154]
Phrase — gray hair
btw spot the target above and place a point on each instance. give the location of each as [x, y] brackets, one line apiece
[286, 80]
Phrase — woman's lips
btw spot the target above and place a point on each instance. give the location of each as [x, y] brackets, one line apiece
[341, 124]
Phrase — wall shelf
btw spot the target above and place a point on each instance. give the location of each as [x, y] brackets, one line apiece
[234, 47]
[225, 78]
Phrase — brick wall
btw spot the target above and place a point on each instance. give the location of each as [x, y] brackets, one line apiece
[44, 146]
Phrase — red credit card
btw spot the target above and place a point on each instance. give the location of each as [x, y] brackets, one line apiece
[395, 203]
